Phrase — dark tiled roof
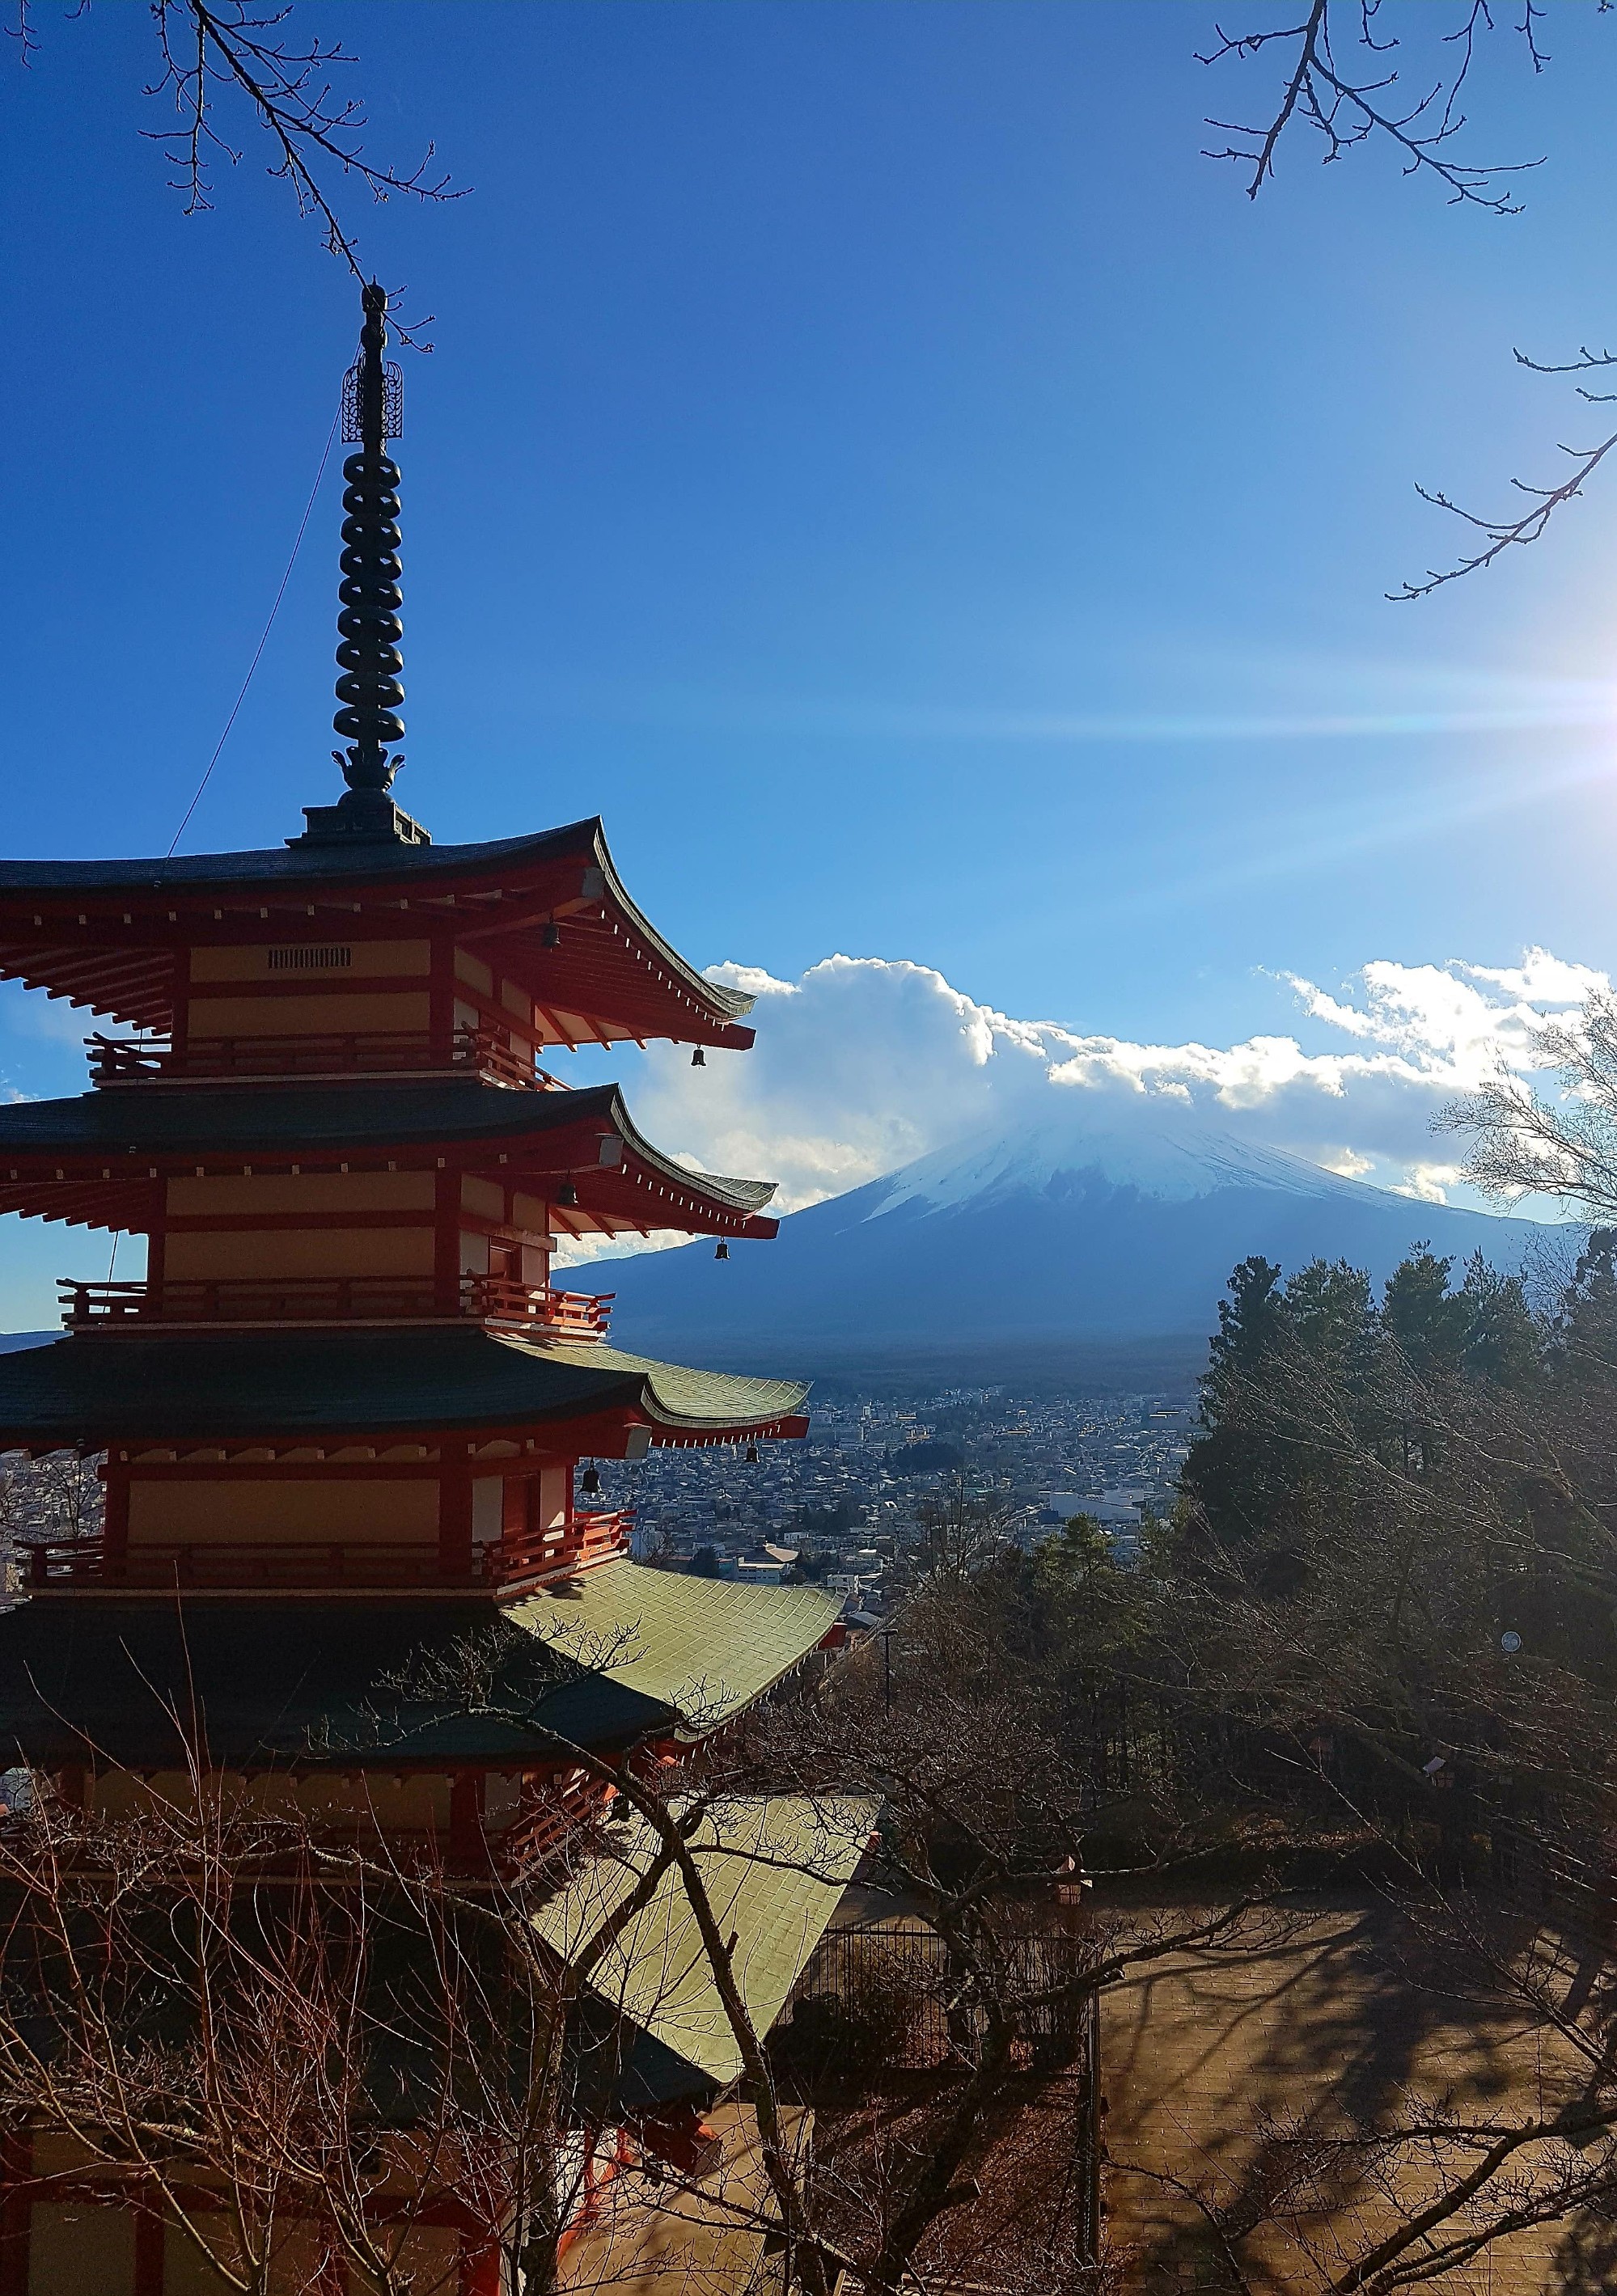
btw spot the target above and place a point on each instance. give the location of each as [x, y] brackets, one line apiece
[293, 864]
[309, 1681]
[268, 1120]
[95, 1390]
[421, 867]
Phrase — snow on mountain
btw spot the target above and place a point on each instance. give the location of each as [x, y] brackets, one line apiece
[1068, 1229]
[1177, 1159]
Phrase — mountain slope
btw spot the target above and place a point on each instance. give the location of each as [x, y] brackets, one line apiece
[1067, 1231]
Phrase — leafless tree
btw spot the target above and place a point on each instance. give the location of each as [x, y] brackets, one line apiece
[1564, 1148]
[1427, 1695]
[299, 2052]
[224, 57]
[1340, 65]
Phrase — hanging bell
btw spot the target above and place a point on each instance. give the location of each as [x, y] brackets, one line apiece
[752, 1455]
[721, 1251]
[567, 1194]
[699, 1059]
[589, 1483]
[550, 936]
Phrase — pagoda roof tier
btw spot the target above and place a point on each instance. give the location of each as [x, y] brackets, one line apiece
[311, 1684]
[774, 1873]
[92, 1160]
[89, 1393]
[345, 1683]
[706, 1647]
[548, 912]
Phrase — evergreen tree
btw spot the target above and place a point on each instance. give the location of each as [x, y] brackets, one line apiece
[1502, 1343]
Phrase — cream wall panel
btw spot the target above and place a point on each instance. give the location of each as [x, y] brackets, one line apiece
[289, 1510]
[486, 1197]
[473, 971]
[270, 1252]
[185, 2271]
[305, 1191]
[314, 1015]
[367, 960]
[75, 2250]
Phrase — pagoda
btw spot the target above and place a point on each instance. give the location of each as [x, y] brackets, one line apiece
[346, 1413]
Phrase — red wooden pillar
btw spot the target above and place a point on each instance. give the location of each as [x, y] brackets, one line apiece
[148, 2252]
[16, 2166]
[455, 1512]
[466, 1846]
[445, 1244]
[181, 1037]
[480, 2265]
[440, 995]
[332, 2275]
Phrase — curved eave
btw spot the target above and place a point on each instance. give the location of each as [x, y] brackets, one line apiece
[100, 1159]
[305, 1682]
[102, 934]
[387, 1387]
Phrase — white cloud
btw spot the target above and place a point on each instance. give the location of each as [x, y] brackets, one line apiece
[1429, 1183]
[866, 1063]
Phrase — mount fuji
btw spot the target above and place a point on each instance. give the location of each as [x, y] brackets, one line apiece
[1094, 1241]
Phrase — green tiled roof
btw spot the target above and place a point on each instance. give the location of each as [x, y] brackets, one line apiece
[347, 1683]
[94, 1390]
[704, 1646]
[773, 1871]
[275, 1120]
[338, 1682]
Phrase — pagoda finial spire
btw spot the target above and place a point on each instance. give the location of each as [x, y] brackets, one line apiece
[368, 626]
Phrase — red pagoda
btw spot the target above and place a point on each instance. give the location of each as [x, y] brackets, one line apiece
[343, 1413]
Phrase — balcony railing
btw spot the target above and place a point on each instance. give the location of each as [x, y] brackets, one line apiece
[536, 1308]
[242, 1565]
[354, 1052]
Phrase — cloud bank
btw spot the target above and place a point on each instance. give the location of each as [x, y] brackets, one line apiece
[866, 1062]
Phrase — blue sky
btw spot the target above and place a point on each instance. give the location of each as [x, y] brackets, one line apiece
[873, 458]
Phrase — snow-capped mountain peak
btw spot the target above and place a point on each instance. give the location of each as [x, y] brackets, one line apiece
[1166, 1153]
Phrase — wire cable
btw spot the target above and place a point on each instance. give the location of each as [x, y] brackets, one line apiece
[309, 509]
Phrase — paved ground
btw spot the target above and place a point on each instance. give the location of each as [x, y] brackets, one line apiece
[1349, 2016]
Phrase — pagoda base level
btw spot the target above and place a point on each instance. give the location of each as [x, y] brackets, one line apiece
[362, 817]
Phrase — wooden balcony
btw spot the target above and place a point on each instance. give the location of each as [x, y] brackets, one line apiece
[481, 1053]
[328, 1566]
[252, 1302]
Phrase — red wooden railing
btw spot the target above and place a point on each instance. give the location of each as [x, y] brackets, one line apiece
[334, 1300]
[550, 1814]
[327, 1563]
[482, 1052]
[572, 1315]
